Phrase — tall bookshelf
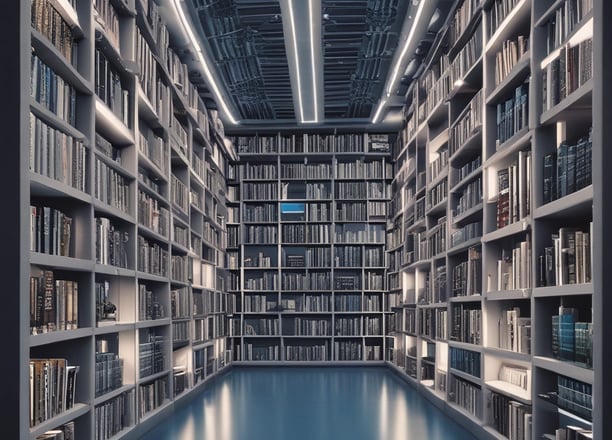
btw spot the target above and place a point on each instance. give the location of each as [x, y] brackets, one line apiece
[491, 220]
[127, 298]
[312, 247]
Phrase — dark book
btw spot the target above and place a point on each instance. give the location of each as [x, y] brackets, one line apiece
[567, 320]
[49, 307]
[571, 169]
[561, 187]
[555, 336]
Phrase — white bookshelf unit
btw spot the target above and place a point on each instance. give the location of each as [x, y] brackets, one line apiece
[126, 174]
[495, 314]
[311, 248]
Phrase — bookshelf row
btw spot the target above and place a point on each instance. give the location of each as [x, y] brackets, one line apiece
[490, 225]
[127, 174]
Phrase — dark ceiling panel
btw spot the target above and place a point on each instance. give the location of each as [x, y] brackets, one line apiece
[247, 44]
[359, 40]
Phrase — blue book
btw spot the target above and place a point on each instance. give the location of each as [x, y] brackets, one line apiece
[567, 319]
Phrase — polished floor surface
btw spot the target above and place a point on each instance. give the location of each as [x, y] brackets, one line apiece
[327, 403]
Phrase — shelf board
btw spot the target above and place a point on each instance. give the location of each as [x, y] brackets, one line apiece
[466, 346]
[59, 336]
[513, 79]
[519, 13]
[519, 140]
[76, 411]
[549, 13]
[437, 208]
[68, 13]
[466, 298]
[146, 111]
[443, 174]
[114, 328]
[564, 368]
[470, 148]
[467, 179]
[103, 208]
[505, 295]
[507, 231]
[46, 187]
[579, 99]
[153, 323]
[111, 394]
[50, 118]
[470, 82]
[151, 277]
[150, 233]
[54, 59]
[468, 31]
[114, 270]
[466, 376]
[112, 128]
[565, 290]
[507, 354]
[572, 205]
[468, 215]
[582, 32]
[58, 262]
[508, 389]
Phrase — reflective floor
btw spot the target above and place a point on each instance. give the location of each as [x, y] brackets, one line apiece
[351, 403]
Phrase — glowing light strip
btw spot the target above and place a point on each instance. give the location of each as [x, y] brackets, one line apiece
[405, 49]
[297, 60]
[198, 49]
[400, 60]
[312, 63]
[381, 105]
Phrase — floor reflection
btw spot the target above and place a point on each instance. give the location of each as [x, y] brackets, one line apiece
[308, 403]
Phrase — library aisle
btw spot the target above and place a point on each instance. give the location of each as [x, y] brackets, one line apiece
[308, 403]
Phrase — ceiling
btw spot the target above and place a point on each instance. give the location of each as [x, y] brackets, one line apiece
[323, 63]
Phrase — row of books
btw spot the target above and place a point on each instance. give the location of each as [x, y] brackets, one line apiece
[466, 233]
[179, 302]
[52, 388]
[152, 395]
[303, 171]
[514, 331]
[51, 91]
[511, 418]
[514, 190]
[466, 324]
[52, 25]
[572, 339]
[565, 20]
[151, 354]
[514, 267]
[58, 155]
[114, 415]
[465, 360]
[512, 115]
[465, 394]
[152, 258]
[568, 260]
[64, 432]
[54, 304]
[467, 275]
[568, 169]
[110, 186]
[511, 53]
[50, 231]
[181, 331]
[110, 88]
[111, 243]
[467, 124]
[566, 73]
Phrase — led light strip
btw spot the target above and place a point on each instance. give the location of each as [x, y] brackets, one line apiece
[297, 59]
[312, 63]
[391, 83]
[207, 72]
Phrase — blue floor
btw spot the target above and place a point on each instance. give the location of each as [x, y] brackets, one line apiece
[351, 403]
